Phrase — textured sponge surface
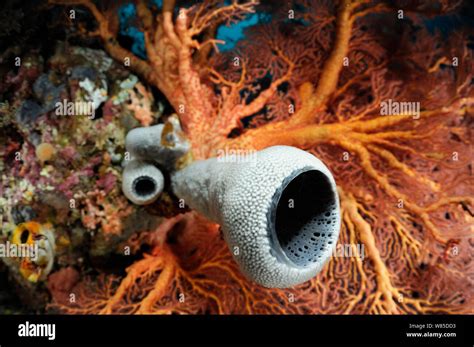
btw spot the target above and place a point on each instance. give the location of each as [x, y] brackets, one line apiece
[305, 218]
[247, 199]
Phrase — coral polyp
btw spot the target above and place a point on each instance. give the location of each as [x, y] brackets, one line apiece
[380, 91]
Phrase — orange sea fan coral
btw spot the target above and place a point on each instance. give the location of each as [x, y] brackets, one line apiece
[405, 180]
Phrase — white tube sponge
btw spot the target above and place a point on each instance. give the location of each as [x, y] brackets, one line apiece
[163, 144]
[142, 182]
[279, 211]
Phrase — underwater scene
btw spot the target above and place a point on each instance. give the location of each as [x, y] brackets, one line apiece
[236, 157]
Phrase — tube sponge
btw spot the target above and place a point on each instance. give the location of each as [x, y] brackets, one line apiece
[161, 144]
[279, 211]
[142, 182]
[164, 144]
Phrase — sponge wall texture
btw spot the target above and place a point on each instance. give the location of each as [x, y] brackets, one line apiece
[244, 197]
[142, 182]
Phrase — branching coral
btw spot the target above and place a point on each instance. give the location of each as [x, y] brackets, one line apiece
[405, 178]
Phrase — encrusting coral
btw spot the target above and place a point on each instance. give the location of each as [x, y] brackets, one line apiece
[316, 82]
[56, 171]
